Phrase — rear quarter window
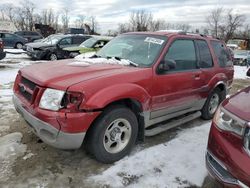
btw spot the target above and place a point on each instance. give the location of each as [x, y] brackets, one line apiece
[222, 54]
[79, 40]
[206, 60]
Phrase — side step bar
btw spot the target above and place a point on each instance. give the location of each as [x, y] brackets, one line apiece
[174, 123]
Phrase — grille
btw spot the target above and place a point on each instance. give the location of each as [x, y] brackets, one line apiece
[27, 89]
[29, 49]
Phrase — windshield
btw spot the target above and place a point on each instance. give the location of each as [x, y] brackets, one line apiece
[89, 43]
[51, 39]
[140, 49]
[241, 52]
[237, 42]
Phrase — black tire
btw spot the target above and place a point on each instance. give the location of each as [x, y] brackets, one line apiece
[206, 113]
[19, 45]
[52, 57]
[96, 136]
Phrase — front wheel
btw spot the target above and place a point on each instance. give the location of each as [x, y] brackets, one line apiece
[212, 103]
[53, 57]
[113, 135]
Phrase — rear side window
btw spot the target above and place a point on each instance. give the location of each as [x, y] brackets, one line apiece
[79, 40]
[183, 53]
[221, 53]
[206, 60]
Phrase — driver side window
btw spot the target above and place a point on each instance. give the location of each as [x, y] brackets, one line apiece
[183, 53]
[65, 41]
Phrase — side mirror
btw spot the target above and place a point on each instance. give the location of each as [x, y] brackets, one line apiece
[166, 65]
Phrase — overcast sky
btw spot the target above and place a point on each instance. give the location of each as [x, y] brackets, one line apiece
[111, 12]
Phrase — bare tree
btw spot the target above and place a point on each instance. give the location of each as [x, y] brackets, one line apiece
[156, 25]
[214, 20]
[93, 24]
[140, 20]
[80, 21]
[65, 19]
[123, 28]
[223, 23]
[233, 22]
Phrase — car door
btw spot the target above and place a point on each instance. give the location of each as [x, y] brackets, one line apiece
[176, 91]
[9, 39]
[63, 43]
[206, 64]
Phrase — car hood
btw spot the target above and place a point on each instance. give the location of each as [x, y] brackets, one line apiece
[39, 45]
[239, 104]
[75, 48]
[62, 74]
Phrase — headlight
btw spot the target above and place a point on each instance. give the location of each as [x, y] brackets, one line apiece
[228, 122]
[51, 99]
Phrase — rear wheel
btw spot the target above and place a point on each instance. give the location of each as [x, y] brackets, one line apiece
[113, 134]
[212, 103]
[19, 45]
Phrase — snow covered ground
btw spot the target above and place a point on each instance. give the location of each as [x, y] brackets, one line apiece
[240, 72]
[179, 162]
[11, 148]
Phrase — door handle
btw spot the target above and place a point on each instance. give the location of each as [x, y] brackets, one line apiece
[196, 76]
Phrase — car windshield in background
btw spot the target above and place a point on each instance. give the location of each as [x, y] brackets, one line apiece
[140, 49]
[89, 43]
[241, 52]
[52, 40]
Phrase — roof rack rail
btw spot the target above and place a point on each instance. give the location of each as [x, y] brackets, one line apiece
[181, 32]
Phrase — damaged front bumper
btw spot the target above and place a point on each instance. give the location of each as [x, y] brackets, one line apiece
[2, 55]
[47, 133]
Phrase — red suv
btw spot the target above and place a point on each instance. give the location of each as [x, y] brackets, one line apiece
[228, 156]
[138, 85]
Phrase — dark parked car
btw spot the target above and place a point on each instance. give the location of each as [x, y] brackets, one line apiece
[228, 153]
[13, 40]
[29, 35]
[51, 48]
[2, 53]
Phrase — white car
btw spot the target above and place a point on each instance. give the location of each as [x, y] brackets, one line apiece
[241, 57]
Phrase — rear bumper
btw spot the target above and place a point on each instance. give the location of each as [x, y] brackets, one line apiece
[49, 134]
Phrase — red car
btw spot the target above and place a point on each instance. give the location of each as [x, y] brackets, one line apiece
[2, 53]
[228, 154]
[137, 85]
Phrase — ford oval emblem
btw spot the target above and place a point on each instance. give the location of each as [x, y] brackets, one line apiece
[22, 88]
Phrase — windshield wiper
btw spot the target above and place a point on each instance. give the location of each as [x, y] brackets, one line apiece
[119, 59]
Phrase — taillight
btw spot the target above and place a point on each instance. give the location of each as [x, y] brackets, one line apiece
[72, 101]
[1, 44]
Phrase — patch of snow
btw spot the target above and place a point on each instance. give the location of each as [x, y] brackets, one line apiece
[240, 72]
[4, 128]
[7, 76]
[15, 54]
[11, 148]
[84, 55]
[89, 61]
[177, 163]
[29, 155]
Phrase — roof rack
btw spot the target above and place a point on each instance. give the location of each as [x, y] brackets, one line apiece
[181, 32]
